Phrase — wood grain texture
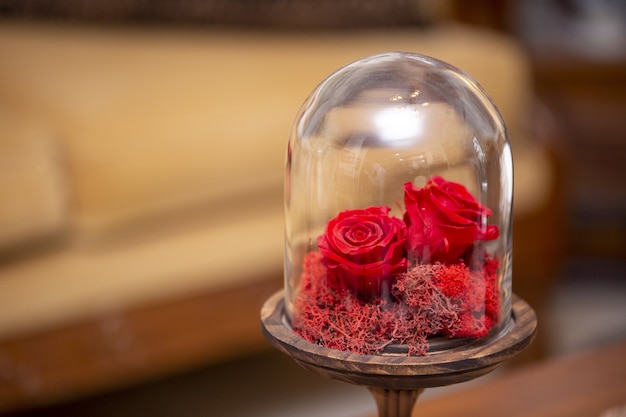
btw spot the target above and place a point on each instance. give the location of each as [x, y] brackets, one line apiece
[398, 371]
[395, 403]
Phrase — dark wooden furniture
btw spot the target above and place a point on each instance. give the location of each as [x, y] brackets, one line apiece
[132, 346]
[591, 383]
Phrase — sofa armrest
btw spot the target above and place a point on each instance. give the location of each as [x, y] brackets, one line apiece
[33, 191]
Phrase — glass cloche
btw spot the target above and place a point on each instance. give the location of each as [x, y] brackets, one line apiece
[398, 197]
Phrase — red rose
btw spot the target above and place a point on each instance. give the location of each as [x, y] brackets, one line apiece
[364, 249]
[443, 221]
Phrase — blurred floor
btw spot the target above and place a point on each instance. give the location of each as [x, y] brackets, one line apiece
[587, 309]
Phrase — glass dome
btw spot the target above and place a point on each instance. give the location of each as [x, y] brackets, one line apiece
[398, 198]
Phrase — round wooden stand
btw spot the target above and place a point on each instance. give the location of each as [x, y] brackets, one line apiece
[396, 380]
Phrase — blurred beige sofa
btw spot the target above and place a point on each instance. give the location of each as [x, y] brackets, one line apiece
[141, 187]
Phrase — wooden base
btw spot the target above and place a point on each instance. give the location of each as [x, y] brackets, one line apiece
[399, 371]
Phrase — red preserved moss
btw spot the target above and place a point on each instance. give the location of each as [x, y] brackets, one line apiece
[428, 300]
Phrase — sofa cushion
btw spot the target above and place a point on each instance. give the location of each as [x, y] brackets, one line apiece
[154, 121]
